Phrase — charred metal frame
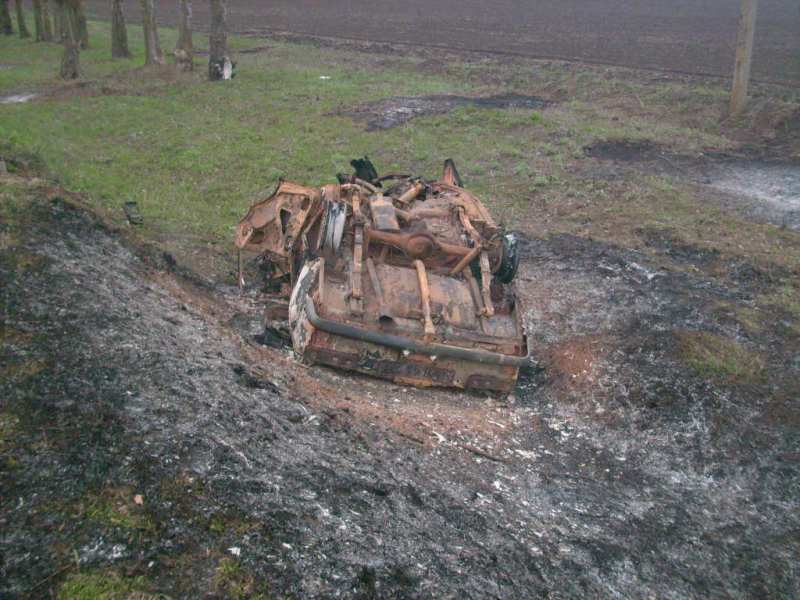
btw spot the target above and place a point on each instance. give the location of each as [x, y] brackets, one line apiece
[402, 343]
[413, 281]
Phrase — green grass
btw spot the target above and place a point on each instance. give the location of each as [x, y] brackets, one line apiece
[115, 508]
[195, 154]
[106, 585]
[41, 61]
[232, 582]
[787, 298]
[8, 429]
[718, 357]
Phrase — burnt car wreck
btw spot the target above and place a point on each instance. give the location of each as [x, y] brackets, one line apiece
[393, 276]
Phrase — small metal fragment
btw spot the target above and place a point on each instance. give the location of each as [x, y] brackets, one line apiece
[132, 213]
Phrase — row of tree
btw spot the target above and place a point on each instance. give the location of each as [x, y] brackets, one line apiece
[69, 27]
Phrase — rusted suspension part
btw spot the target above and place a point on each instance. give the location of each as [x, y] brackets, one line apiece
[411, 193]
[477, 298]
[243, 235]
[425, 296]
[417, 245]
[384, 314]
[321, 294]
[384, 214]
[240, 269]
[356, 301]
[366, 185]
[473, 233]
[466, 260]
[389, 176]
[486, 282]
[421, 213]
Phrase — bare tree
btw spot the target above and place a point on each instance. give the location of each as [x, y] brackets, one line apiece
[48, 24]
[184, 49]
[70, 62]
[80, 19]
[59, 11]
[152, 47]
[38, 22]
[5, 18]
[219, 64]
[21, 25]
[119, 32]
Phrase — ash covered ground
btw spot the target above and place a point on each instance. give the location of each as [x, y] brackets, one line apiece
[145, 430]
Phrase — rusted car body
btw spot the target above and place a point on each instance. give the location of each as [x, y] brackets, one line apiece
[412, 282]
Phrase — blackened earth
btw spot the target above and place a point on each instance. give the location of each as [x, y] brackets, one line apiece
[397, 110]
[614, 471]
[761, 185]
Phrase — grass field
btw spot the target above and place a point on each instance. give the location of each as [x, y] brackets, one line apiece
[194, 154]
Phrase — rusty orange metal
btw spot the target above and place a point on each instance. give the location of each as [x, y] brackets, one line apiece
[412, 282]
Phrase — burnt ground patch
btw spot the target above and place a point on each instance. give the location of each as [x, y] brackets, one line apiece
[665, 241]
[620, 468]
[625, 150]
[761, 184]
[392, 112]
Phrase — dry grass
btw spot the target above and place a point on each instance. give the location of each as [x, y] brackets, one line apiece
[717, 357]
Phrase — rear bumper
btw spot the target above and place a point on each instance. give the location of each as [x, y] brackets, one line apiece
[402, 343]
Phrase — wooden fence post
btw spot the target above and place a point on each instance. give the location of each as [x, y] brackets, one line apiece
[744, 55]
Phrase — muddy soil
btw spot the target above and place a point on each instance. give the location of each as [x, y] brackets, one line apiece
[615, 470]
[395, 111]
[762, 186]
[683, 35]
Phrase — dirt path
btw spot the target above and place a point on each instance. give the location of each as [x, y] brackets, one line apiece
[615, 471]
[685, 35]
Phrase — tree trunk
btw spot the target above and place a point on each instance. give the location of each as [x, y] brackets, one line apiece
[5, 18]
[70, 62]
[23, 27]
[119, 32]
[59, 11]
[48, 24]
[83, 26]
[152, 47]
[184, 49]
[218, 61]
[38, 23]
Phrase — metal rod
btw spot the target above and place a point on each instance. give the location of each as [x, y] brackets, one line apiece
[486, 282]
[240, 269]
[383, 312]
[322, 281]
[411, 193]
[468, 258]
[425, 294]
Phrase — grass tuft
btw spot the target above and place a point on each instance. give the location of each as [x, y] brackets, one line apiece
[232, 582]
[115, 507]
[106, 585]
[714, 356]
[9, 425]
